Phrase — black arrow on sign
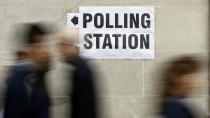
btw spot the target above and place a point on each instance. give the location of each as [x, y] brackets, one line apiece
[74, 20]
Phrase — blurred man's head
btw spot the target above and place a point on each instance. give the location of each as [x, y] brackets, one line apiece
[36, 45]
[179, 76]
[67, 40]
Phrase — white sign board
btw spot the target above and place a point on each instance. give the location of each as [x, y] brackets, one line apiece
[115, 32]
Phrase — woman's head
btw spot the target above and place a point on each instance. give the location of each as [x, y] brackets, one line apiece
[179, 76]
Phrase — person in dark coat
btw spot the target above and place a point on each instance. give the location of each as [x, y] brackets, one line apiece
[26, 93]
[83, 99]
[179, 78]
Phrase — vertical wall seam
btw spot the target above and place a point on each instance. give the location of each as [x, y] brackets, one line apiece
[143, 79]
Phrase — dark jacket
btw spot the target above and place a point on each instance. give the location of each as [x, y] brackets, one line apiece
[83, 91]
[22, 100]
[175, 108]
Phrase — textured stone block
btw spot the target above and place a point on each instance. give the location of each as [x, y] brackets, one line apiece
[121, 77]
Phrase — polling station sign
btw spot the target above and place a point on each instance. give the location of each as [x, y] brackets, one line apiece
[115, 32]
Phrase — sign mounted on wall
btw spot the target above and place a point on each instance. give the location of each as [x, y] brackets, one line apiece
[115, 32]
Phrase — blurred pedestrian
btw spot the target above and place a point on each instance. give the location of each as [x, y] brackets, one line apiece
[83, 100]
[179, 78]
[26, 93]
